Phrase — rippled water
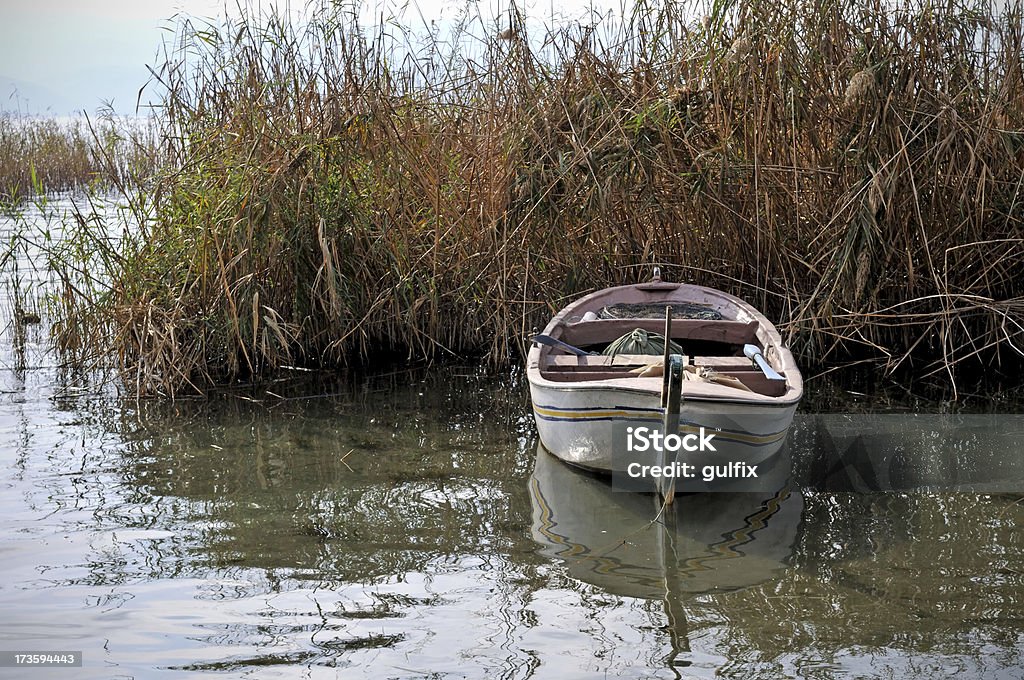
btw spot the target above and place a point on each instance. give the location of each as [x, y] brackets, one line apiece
[405, 525]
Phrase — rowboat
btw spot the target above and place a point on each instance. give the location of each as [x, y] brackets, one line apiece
[741, 386]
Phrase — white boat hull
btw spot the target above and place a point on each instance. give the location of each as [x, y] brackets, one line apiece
[587, 426]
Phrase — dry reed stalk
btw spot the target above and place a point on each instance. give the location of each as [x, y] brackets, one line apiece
[40, 154]
[324, 201]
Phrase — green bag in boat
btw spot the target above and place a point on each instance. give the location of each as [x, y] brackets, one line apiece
[639, 341]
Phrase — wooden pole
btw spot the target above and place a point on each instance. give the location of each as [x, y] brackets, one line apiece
[670, 421]
[664, 360]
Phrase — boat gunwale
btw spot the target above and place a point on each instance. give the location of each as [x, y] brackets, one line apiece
[760, 401]
[766, 333]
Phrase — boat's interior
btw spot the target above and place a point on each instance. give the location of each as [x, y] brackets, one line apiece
[712, 344]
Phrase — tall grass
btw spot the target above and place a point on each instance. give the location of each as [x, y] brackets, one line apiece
[333, 193]
[46, 154]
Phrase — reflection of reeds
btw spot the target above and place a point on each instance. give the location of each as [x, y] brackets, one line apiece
[19, 310]
[326, 200]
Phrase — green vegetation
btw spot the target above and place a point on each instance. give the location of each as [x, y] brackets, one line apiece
[855, 172]
[40, 154]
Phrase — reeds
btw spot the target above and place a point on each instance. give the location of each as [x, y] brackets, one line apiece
[332, 194]
[45, 154]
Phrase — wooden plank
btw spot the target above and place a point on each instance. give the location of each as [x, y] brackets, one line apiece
[585, 376]
[634, 360]
[755, 380]
[606, 330]
[730, 363]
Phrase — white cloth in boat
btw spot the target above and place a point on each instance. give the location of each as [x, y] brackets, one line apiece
[693, 373]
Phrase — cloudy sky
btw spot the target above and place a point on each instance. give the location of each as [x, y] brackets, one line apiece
[64, 56]
[59, 56]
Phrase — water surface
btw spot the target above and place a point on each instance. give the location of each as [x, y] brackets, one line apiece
[406, 526]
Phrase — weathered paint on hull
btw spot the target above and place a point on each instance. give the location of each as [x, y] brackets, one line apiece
[583, 426]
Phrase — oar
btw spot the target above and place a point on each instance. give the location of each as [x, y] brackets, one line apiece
[753, 352]
[555, 342]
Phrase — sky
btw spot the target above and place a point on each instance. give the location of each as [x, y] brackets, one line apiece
[61, 57]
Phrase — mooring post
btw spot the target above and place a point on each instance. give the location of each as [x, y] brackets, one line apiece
[664, 359]
[670, 422]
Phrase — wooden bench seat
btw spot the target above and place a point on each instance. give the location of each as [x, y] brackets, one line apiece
[754, 379]
[592, 332]
[572, 368]
[557, 362]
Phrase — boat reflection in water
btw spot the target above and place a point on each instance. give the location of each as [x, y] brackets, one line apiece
[705, 542]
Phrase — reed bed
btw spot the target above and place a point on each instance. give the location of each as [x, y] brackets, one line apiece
[332, 194]
[45, 155]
